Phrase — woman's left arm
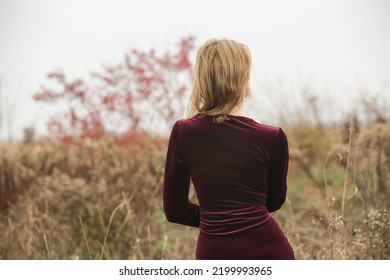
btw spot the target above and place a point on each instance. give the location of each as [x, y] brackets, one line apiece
[277, 174]
[177, 207]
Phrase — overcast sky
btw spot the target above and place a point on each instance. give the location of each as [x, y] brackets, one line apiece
[339, 46]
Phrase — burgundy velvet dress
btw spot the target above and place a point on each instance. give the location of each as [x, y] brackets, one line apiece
[238, 168]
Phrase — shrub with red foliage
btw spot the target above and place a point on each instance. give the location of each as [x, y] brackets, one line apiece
[144, 93]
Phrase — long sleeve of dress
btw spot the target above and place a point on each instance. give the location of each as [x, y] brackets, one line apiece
[277, 175]
[177, 207]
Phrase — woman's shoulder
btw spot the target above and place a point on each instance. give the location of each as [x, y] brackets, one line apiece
[259, 126]
[183, 124]
[191, 121]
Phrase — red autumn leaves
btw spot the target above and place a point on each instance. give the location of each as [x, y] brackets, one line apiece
[144, 93]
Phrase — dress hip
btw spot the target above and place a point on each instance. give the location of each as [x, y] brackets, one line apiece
[265, 241]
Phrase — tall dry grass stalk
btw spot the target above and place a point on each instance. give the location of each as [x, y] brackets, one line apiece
[347, 165]
[85, 238]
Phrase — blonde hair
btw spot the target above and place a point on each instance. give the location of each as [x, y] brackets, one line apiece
[220, 78]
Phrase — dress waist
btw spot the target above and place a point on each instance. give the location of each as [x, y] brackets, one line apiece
[232, 221]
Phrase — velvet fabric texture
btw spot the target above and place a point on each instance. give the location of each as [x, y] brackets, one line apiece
[238, 168]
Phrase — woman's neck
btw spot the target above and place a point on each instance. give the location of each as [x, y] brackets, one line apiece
[239, 110]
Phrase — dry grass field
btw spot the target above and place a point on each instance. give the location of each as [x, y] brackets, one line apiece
[97, 200]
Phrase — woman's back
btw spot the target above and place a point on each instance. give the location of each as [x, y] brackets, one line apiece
[238, 168]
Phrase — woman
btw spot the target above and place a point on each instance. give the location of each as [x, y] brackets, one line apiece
[237, 165]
